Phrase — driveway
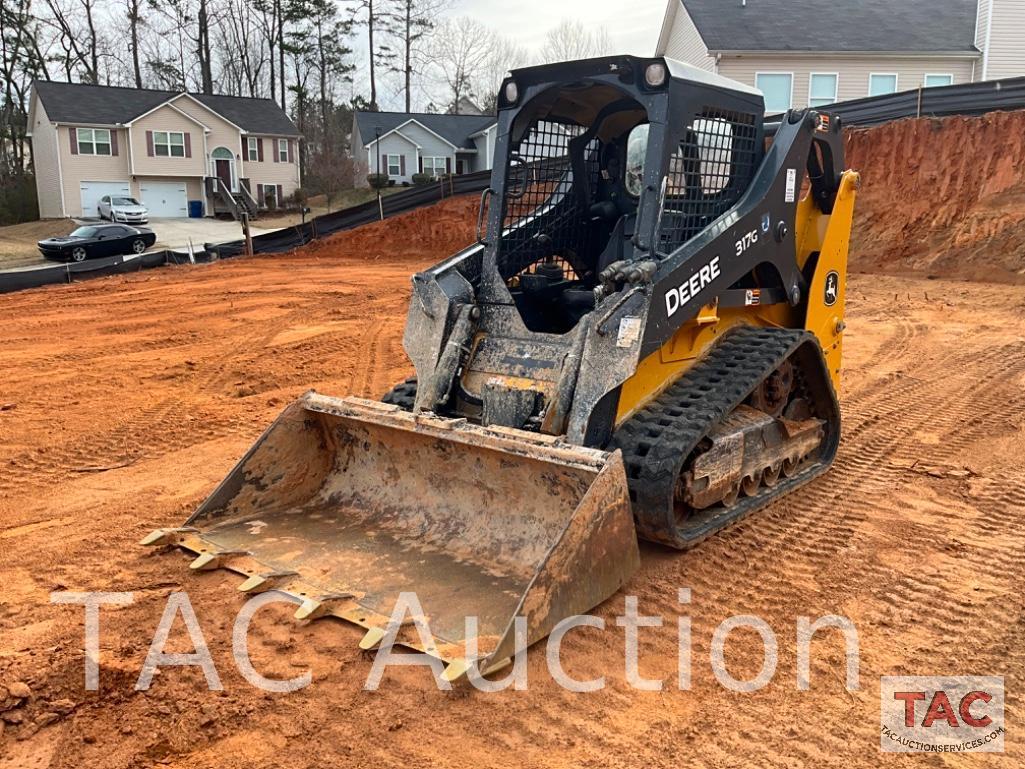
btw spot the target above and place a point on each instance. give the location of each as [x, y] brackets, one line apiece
[175, 234]
[18, 242]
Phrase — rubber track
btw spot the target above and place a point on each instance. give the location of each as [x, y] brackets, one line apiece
[402, 395]
[658, 439]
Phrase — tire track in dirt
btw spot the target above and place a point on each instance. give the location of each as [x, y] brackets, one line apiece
[150, 430]
[807, 522]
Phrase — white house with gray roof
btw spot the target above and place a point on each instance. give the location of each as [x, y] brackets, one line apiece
[401, 144]
[816, 52]
[164, 149]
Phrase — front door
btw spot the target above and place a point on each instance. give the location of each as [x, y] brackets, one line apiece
[224, 172]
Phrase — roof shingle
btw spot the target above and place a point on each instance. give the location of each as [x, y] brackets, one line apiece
[832, 26]
[110, 105]
[456, 129]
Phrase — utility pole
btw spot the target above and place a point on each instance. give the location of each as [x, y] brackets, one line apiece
[377, 152]
[244, 217]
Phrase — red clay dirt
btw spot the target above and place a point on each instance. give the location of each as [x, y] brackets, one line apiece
[125, 400]
[944, 196]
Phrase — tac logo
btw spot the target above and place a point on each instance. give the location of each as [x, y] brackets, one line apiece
[926, 714]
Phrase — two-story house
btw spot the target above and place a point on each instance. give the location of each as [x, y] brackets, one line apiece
[174, 152]
[816, 52]
[400, 144]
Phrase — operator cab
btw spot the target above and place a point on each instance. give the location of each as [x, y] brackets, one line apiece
[609, 162]
[569, 211]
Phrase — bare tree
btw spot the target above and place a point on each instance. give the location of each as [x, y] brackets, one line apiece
[134, 21]
[411, 22]
[505, 56]
[458, 54]
[333, 172]
[369, 13]
[73, 41]
[242, 57]
[571, 40]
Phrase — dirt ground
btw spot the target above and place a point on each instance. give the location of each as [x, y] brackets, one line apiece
[125, 400]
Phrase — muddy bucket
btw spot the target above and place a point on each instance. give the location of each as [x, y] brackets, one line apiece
[346, 503]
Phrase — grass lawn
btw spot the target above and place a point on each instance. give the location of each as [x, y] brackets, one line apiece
[318, 206]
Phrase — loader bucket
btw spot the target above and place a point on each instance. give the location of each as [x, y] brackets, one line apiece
[346, 503]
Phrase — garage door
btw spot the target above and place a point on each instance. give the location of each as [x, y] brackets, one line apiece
[93, 191]
[165, 199]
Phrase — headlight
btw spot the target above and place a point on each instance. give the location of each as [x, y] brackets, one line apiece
[655, 75]
[512, 92]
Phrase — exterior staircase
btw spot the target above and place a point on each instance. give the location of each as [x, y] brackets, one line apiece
[234, 203]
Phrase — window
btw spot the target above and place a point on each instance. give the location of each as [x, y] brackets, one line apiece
[434, 166]
[778, 88]
[713, 166]
[822, 88]
[93, 141]
[283, 150]
[882, 84]
[254, 148]
[169, 144]
[394, 165]
[931, 81]
[636, 151]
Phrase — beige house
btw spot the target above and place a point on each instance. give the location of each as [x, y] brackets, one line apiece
[816, 52]
[177, 153]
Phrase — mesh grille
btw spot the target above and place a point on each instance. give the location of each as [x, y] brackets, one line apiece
[707, 174]
[540, 199]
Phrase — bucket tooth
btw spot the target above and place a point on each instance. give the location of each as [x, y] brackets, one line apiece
[455, 670]
[315, 608]
[373, 637]
[261, 583]
[210, 561]
[160, 537]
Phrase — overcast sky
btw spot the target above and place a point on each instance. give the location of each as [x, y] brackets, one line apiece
[633, 26]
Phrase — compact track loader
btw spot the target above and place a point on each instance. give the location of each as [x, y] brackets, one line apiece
[645, 340]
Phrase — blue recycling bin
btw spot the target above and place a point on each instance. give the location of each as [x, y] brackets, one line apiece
[195, 209]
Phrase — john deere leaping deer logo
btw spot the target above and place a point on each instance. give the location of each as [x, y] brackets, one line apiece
[832, 287]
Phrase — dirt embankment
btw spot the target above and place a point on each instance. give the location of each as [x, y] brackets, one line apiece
[943, 196]
[441, 229]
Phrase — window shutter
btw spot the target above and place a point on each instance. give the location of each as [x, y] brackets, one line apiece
[384, 164]
[260, 198]
[291, 151]
[448, 165]
[259, 150]
[113, 142]
[149, 143]
[279, 197]
[188, 144]
[421, 164]
[402, 165]
[277, 150]
[73, 133]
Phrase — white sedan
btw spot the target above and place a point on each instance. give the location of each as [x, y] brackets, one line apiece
[118, 208]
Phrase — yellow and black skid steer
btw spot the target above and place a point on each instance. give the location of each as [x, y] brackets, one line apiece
[644, 341]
